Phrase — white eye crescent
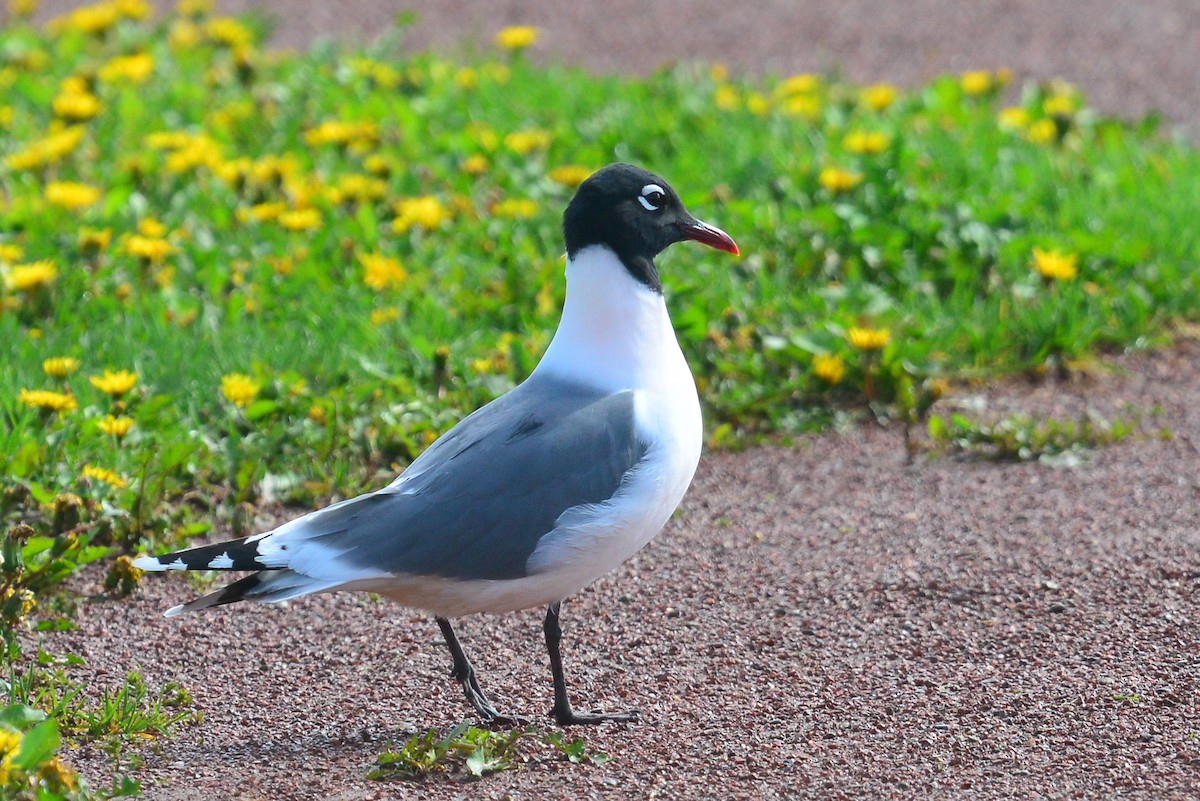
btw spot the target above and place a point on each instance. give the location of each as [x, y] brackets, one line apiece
[652, 197]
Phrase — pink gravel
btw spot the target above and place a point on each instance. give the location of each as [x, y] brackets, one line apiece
[821, 621]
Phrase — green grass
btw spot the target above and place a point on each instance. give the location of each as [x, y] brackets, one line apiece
[237, 198]
[476, 751]
[934, 244]
[1021, 438]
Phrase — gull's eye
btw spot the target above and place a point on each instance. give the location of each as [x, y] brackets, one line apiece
[652, 197]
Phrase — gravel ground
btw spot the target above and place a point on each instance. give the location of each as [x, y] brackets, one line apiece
[821, 621]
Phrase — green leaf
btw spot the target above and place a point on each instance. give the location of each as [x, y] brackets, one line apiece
[20, 715]
[35, 546]
[937, 428]
[38, 745]
[91, 554]
[260, 409]
[477, 762]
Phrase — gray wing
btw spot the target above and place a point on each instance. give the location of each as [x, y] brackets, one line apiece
[475, 504]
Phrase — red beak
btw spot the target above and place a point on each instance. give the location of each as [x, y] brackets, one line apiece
[709, 235]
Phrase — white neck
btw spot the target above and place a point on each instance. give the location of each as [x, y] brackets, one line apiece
[615, 332]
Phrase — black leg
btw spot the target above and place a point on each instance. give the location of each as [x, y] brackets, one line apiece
[464, 674]
[562, 712]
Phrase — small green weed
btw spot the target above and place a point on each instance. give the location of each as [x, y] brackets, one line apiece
[1021, 438]
[131, 710]
[478, 751]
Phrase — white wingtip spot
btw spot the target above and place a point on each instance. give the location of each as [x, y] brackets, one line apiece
[222, 562]
[178, 564]
[147, 563]
[173, 611]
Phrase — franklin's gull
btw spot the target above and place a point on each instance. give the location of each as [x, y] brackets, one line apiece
[540, 492]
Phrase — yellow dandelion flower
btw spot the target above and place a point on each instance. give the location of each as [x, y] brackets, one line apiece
[869, 339]
[94, 240]
[381, 272]
[76, 106]
[388, 314]
[522, 142]
[239, 389]
[50, 149]
[30, 277]
[10, 741]
[880, 96]
[70, 195]
[262, 212]
[517, 37]
[1013, 118]
[378, 164]
[94, 20]
[802, 84]
[867, 143]
[976, 82]
[474, 165]
[151, 227]
[515, 208]
[104, 474]
[425, 211]
[133, 9]
[197, 151]
[570, 175]
[806, 106]
[829, 368]
[115, 426]
[356, 188]
[1055, 265]
[758, 104]
[337, 132]
[1059, 105]
[151, 249]
[60, 366]
[300, 219]
[47, 399]
[228, 32]
[11, 252]
[135, 68]
[184, 34]
[726, 98]
[484, 135]
[169, 140]
[1042, 132]
[194, 8]
[316, 413]
[115, 382]
[466, 78]
[60, 777]
[837, 180]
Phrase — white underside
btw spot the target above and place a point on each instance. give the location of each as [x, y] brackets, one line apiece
[615, 335]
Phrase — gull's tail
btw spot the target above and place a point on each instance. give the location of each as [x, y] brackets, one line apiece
[242, 554]
[279, 584]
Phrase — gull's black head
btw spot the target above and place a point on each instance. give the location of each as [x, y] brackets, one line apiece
[638, 215]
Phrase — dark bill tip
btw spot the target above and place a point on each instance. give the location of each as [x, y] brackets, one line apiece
[709, 235]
